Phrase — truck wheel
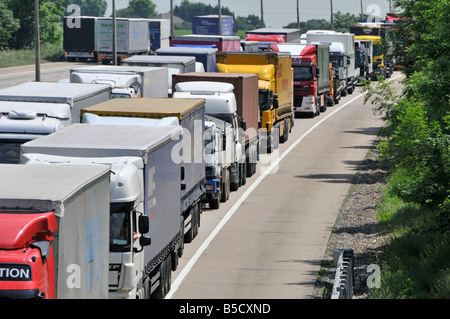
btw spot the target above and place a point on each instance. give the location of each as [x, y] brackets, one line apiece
[214, 203]
[225, 187]
[244, 174]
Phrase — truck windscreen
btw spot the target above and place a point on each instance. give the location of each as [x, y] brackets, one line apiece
[339, 60]
[303, 73]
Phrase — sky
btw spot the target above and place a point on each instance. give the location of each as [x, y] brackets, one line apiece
[278, 13]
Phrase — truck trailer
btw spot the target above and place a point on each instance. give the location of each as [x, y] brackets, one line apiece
[220, 42]
[175, 65]
[311, 64]
[125, 81]
[132, 38]
[345, 55]
[191, 116]
[142, 174]
[206, 56]
[54, 232]
[80, 38]
[35, 109]
[274, 71]
[245, 90]
[212, 25]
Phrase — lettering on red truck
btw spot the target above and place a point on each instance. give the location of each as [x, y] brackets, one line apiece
[15, 272]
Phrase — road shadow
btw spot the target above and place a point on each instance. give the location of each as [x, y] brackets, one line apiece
[366, 130]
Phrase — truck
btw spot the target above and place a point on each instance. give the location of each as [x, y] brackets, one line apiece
[174, 64]
[146, 234]
[132, 38]
[266, 36]
[288, 35]
[206, 56]
[364, 57]
[220, 102]
[245, 91]
[54, 232]
[311, 64]
[35, 109]
[80, 38]
[220, 42]
[159, 33]
[275, 88]
[211, 25]
[344, 54]
[383, 65]
[217, 139]
[125, 81]
[191, 117]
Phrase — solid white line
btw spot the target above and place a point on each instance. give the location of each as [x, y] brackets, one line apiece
[182, 275]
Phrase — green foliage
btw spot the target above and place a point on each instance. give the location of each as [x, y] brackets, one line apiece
[416, 203]
[138, 9]
[96, 8]
[187, 10]
[50, 13]
[8, 25]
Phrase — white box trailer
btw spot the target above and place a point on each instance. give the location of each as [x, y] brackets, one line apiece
[132, 37]
[125, 81]
[35, 109]
[144, 182]
[175, 64]
[55, 229]
[348, 41]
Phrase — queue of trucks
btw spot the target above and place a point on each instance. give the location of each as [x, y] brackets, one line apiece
[134, 154]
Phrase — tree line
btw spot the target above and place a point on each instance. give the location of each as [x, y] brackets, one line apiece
[17, 25]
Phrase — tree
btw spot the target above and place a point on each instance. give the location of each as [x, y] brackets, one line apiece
[95, 8]
[187, 10]
[138, 9]
[50, 13]
[8, 25]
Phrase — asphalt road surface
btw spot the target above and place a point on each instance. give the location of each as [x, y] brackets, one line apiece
[50, 72]
[269, 239]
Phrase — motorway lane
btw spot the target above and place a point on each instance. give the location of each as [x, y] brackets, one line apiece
[269, 239]
[50, 72]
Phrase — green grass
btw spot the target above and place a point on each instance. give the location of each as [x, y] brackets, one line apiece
[415, 264]
[49, 53]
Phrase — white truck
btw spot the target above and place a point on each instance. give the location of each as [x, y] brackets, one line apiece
[132, 38]
[220, 102]
[218, 138]
[35, 109]
[345, 52]
[125, 81]
[190, 115]
[364, 58]
[144, 179]
[54, 231]
[175, 65]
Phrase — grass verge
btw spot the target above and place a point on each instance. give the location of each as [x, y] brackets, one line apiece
[415, 263]
[49, 53]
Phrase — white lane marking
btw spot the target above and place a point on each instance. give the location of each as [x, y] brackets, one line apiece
[182, 275]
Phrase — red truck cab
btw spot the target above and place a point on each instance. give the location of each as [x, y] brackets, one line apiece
[26, 256]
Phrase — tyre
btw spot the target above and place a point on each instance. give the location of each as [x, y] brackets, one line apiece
[214, 203]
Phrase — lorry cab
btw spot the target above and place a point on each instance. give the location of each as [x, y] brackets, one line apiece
[220, 102]
[26, 263]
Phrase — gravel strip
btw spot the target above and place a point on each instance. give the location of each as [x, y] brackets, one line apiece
[356, 228]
